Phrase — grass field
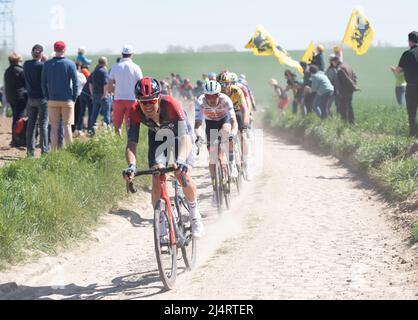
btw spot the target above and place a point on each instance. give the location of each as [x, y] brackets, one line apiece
[375, 79]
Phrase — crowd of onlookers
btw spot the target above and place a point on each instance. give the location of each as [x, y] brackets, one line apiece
[55, 94]
[320, 87]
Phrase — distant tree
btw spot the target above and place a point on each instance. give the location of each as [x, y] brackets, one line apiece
[217, 48]
[179, 49]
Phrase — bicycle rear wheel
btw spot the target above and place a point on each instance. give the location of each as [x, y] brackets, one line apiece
[237, 156]
[218, 187]
[226, 184]
[190, 250]
[166, 253]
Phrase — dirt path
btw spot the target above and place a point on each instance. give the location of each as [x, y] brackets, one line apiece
[305, 228]
[8, 154]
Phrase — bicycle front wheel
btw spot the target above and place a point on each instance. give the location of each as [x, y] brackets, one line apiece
[165, 249]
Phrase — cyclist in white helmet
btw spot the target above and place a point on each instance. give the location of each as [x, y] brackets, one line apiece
[218, 112]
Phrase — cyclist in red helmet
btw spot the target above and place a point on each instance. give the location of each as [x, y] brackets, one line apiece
[168, 130]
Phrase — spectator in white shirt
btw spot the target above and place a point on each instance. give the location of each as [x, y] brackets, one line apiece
[122, 79]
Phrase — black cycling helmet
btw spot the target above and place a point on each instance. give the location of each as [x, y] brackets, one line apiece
[147, 88]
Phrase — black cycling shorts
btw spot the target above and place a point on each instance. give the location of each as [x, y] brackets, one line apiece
[240, 120]
[215, 125]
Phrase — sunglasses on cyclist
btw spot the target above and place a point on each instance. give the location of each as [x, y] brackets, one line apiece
[150, 101]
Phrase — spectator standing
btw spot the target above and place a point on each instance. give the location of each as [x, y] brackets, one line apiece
[77, 108]
[16, 95]
[324, 90]
[408, 64]
[101, 97]
[85, 70]
[122, 79]
[37, 106]
[345, 85]
[290, 80]
[60, 87]
[81, 57]
[338, 51]
[331, 73]
[308, 94]
[86, 103]
[318, 59]
[400, 86]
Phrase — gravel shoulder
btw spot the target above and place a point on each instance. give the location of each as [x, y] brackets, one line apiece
[305, 228]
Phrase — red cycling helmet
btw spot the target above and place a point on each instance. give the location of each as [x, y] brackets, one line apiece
[147, 88]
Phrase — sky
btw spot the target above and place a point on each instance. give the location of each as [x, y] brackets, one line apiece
[153, 25]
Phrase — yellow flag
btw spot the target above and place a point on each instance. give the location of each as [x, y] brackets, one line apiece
[359, 33]
[263, 44]
[309, 54]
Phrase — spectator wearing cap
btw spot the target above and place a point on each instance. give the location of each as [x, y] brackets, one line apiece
[37, 106]
[408, 64]
[122, 79]
[101, 97]
[16, 95]
[60, 87]
[345, 86]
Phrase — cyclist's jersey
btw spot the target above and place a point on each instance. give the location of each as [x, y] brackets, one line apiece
[244, 90]
[172, 117]
[205, 111]
[237, 96]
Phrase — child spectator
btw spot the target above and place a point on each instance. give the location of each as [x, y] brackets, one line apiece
[283, 97]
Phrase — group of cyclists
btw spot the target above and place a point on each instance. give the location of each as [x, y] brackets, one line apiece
[225, 107]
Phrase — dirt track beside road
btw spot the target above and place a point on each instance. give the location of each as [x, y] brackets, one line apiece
[305, 228]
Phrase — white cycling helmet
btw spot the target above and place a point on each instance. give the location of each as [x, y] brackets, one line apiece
[212, 87]
[234, 78]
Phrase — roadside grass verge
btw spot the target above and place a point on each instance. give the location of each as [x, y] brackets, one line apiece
[378, 145]
[47, 202]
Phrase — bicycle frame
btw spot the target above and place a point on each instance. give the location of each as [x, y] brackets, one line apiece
[164, 195]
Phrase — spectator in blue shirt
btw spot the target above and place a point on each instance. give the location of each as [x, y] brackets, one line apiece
[37, 106]
[82, 57]
[324, 90]
[60, 87]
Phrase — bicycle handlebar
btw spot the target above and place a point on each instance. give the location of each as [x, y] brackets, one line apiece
[130, 187]
[153, 172]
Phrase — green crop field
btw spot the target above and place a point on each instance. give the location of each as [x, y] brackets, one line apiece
[375, 79]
